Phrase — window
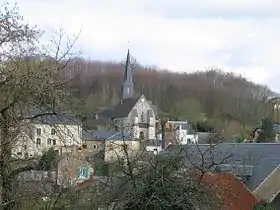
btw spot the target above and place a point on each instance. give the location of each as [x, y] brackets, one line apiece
[19, 153]
[54, 142]
[38, 141]
[94, 146]
[25, 147]
[52, 131]
[141, 135]
[38, 130]
[83, 172]
[49, 142]
[84, 146]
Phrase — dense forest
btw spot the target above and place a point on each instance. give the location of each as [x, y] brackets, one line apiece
[217, 97]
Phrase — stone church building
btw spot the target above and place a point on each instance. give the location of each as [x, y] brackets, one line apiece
[134, 115]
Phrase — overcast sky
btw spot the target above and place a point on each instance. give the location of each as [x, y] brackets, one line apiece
[242, 36]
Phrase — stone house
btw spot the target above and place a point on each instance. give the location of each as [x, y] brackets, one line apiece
[72, 170]
[109, 145]
[61, 131]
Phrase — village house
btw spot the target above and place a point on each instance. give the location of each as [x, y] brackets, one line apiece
[69, 170]
[73, 170]
[62, 132]
[255, 164]
[109, 145]
[182, 132]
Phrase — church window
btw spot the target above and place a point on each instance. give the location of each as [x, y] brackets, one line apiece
[142, 117]
[150, 115]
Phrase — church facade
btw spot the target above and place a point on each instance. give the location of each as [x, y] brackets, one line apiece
[134, 115]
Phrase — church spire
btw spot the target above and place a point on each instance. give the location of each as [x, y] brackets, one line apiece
[127, 86]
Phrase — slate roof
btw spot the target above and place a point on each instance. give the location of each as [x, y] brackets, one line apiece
[51, 118]
[123, 109]
[105, 112]
[103, 135]
[154, 142]
[263, 158]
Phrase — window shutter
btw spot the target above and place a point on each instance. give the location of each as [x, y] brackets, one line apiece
[87, 172]
[84, 172]
[78, 172]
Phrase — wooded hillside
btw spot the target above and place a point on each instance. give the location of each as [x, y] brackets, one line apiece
[213, 95]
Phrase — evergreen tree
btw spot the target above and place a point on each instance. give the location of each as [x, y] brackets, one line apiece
[267, 133]
[47, 160]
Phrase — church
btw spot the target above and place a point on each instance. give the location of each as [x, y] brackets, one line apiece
[135, 116]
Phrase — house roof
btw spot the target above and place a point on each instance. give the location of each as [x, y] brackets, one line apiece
[252, 161]
[57, 119]
[103, 135]
[45, 116]
[123, 109]
[154, 142]
[233, 193]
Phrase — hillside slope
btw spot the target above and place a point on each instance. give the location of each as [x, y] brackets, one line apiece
[218, 96]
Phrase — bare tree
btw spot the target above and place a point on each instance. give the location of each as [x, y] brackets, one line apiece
[146, 181]
[28, 82]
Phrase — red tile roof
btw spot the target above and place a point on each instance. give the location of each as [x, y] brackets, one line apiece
[233, 193]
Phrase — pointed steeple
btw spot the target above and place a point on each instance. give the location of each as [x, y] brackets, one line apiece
[127, 86]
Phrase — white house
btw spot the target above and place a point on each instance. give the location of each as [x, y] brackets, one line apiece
[154, 146]
[182, 131]
[58, 131]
